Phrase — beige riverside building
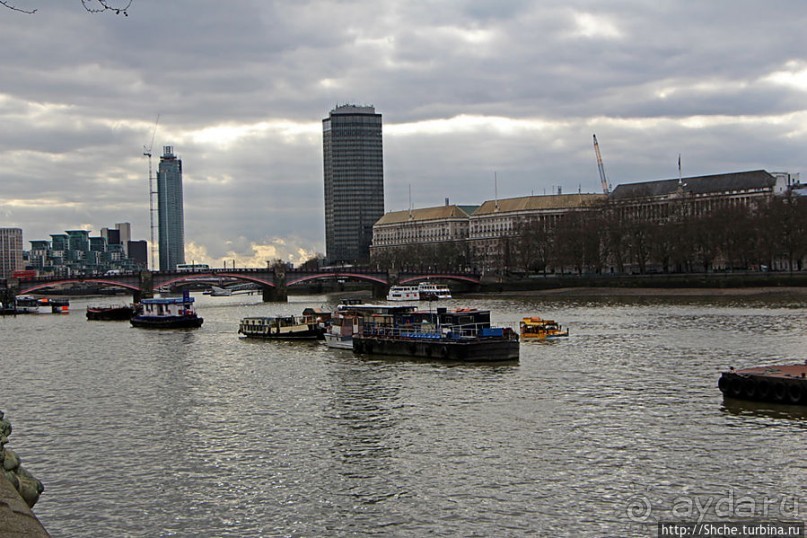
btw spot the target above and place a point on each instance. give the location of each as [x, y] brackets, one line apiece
[495, 226]
[10, 251]
[520, 234]
[398, 236]
[480, 236]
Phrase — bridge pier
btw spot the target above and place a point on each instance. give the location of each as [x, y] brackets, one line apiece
[274, 295]
[8, 295]
[146, 287]
[380, 291]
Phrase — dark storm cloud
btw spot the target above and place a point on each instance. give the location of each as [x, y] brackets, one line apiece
[469, 90]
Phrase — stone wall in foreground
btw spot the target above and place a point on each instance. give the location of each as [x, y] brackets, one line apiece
[26, 485]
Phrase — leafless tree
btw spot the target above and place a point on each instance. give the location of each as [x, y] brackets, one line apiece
[91, 6]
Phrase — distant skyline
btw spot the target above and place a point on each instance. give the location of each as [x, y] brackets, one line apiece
[469, 90]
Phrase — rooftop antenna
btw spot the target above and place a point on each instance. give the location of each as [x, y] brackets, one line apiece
[152, 192]
[410, 201]
[495, 191]
[680, 179]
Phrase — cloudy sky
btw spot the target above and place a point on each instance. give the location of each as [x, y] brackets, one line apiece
[469, 90]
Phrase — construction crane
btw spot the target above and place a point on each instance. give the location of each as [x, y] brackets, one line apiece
[152, 192]
[603, 179]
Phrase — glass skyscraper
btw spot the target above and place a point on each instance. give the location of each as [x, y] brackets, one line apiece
[354, 181]
[170, 211]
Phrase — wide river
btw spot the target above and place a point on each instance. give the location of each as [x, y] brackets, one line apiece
[200, 433]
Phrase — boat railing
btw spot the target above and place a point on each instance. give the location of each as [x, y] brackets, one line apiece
[451, 332]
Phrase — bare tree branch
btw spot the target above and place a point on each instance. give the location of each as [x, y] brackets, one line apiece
[9, 6]
[91, 6]
[103, 5]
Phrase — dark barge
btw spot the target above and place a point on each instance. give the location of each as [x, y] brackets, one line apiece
[784, 384]
[462, 335]
[112, 312]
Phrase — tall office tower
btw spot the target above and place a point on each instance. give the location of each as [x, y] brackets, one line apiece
[112, 236]
[10, 251]
[354, 181]
[125, 235]
[170, 212]
[138, 253]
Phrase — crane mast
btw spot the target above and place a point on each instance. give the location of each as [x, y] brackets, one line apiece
[152, 192]
[601, 167]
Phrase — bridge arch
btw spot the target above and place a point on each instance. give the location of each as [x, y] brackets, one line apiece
[336, 276]
[191, 277]
[439, 276]
[57, 283]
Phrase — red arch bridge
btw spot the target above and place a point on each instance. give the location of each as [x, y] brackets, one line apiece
[273, 283]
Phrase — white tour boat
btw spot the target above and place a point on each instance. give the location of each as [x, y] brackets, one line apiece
[425, 291]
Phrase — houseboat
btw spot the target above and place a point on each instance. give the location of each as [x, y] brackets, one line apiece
[541, 329]
[346, 321]
[304, 327]
[167, 313]
[458, 335]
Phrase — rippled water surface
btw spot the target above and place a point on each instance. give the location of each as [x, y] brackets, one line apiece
[199, 433]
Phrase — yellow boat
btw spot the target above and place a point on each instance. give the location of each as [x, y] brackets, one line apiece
[539, 328]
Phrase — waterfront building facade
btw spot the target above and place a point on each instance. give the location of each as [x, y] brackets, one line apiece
[734, 221]
[501, 230]
[78, 253]
[10, 251]
[403, 239]
[720, 222]
[170, 211]
[662, 200]
[354, 181]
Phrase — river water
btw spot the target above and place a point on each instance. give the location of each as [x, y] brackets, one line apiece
[199, 433]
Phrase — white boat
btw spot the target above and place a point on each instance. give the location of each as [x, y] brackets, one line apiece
[167, 313]
[25, 304]
[216, 291]
[339, 334]
[403, 293]
[425, 291]
[429, 291]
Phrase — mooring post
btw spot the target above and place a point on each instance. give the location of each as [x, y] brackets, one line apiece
[380, 291]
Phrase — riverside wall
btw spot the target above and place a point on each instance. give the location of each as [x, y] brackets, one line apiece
[19, 491]
[671, 281]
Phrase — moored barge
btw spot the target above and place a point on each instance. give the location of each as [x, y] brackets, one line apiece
[119, 312]
[463, 335]
[785, 384]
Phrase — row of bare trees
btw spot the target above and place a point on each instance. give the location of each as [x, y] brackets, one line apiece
[610, 240]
